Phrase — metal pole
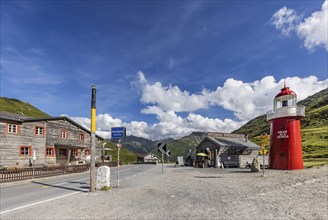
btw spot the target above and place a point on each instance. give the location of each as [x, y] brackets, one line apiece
[263, 163]
[93, 140]
[118, 163]
[263, 155]
[162, 163]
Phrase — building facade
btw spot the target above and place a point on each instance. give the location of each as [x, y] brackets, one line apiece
[53, 140]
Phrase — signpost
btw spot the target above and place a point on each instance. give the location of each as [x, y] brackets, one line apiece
[162, 149]
[118, 146]
[264, 141]
[118, 133]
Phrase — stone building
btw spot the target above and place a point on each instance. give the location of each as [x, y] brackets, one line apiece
[52, 140]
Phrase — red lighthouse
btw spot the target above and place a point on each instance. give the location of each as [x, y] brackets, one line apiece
[285, 132]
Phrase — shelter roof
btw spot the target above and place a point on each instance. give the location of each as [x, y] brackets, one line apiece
[231, 142]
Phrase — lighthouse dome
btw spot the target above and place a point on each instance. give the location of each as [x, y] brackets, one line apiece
[285, 91]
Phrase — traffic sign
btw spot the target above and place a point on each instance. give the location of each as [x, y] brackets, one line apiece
[168, 153]
[264, 139]
[118, 132]
[161, 148]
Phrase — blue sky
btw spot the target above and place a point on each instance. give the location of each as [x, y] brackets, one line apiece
[161, 68]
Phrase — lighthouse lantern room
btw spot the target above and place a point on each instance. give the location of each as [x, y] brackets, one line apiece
[285, 132]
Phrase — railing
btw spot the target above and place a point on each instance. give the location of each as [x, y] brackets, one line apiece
[19, 174]
[286, 112]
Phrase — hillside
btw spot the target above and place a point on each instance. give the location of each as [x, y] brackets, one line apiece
[180, 147]
[314, 126]
[126, 155]
[19, 107]
[137, 144]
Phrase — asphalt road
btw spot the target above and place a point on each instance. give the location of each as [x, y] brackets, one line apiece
[16, 196]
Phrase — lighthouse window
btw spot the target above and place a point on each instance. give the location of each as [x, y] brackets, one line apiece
[284, 103]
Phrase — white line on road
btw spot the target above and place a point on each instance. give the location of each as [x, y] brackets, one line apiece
[68, 182]
[36, 203]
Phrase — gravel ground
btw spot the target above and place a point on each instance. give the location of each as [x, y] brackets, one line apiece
[189, 193]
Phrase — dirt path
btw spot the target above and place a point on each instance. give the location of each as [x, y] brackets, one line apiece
[189, 193]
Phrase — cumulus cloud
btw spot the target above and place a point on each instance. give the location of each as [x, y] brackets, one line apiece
[170, 98]
[312, 30]
[246, 100]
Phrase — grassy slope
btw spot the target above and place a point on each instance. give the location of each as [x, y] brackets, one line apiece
[314, 126]
[125, 155]
[18, 107]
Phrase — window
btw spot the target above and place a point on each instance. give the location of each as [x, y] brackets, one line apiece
[87, 152]
[62, 152]
[12, 128]
[81, 137]
[25, 151]
[50, 152]
[63, 134]
[75, 152]
[39, 130]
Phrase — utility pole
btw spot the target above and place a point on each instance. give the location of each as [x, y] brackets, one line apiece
[93, 140]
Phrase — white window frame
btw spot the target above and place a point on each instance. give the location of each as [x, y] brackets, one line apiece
[12, 128]
[64, 134]
[39, 130]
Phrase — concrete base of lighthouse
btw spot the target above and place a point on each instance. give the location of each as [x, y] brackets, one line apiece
[285, 144]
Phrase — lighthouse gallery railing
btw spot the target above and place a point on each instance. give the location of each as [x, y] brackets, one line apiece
[286, 112]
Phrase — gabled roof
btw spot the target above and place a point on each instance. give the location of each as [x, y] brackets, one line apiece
[231, 142]
[7, 116]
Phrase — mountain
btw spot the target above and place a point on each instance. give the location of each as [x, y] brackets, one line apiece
[314, 127]
[181, 146]
[138, 145]
[19, 107]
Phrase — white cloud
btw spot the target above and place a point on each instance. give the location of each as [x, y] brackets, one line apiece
[170, 98]
[286, 20]
[246, 100]
[312, 30]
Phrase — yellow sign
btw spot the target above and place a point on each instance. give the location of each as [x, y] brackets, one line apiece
[265, 152]
[264, 139]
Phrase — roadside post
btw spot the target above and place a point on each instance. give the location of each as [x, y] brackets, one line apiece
[93, 140]
[34, 158]
[118, 133]
[264, 142]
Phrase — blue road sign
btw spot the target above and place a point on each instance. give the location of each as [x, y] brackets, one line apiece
[118, 132]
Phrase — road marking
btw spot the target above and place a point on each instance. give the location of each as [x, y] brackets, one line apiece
[36, 203]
